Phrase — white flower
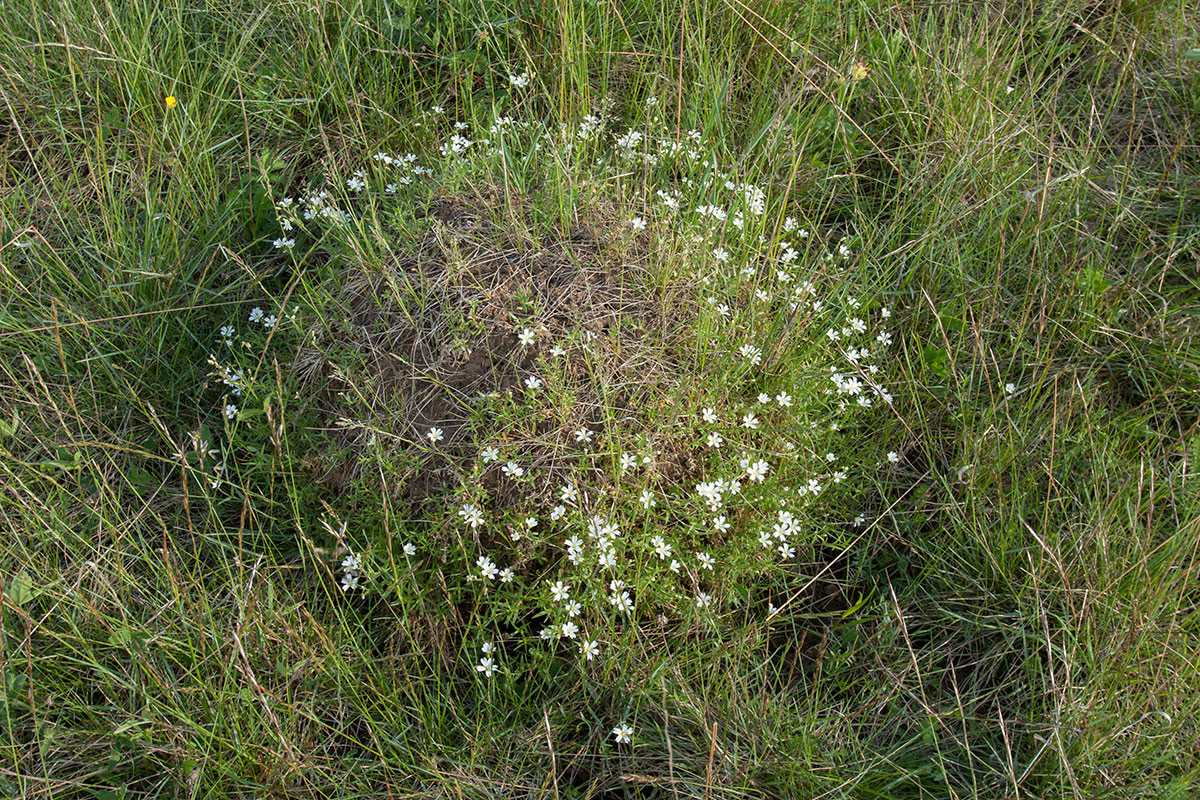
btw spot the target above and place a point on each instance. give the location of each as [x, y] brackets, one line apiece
[750, 421]
[486, 648]
[557, 350]
[583, 435]
[703, 600]
[489, 455]
[706, 561]
[520, 81]
[410, 549]
[764, 398]
[561, 591]
[573, 608]
[720, 524]
[1009, 388]
[526, 336]
[893, 457]
[661, 548]
[471, 515]
[487, 567]
[714, 439]
[349, 581]
[622, 602]
[628, 461]
[282, 242]
[557, 512]
[710, 416]
[568, 493]
[230, 411]
[638, 224]
[623, 734]
[435, 435]
[648, 501]
[533, 382]
[256, 314]
[752, 353]
[531, 522]
[721, 254]
[487, 666]
[783, 399]
[757, 471]
[590, 649]
[506, 575]
[513, 470]
[786, 551]
[570, 629]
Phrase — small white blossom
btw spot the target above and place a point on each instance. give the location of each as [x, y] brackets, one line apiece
[487, 567]
[471, 515]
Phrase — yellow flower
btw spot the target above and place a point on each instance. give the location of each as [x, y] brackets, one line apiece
[171, 101]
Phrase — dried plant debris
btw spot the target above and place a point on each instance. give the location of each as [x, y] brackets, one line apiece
[459, 341]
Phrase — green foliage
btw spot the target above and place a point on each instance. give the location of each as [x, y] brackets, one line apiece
[1006, 607]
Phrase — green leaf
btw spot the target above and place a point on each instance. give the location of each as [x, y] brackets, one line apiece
[20, 589]
[9, 428]
[1093, 281]
[935, 359]
[1193, 54]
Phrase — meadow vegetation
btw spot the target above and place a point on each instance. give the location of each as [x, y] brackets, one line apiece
[599, 399]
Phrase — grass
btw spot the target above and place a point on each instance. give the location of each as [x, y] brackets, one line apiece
[990, 591]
